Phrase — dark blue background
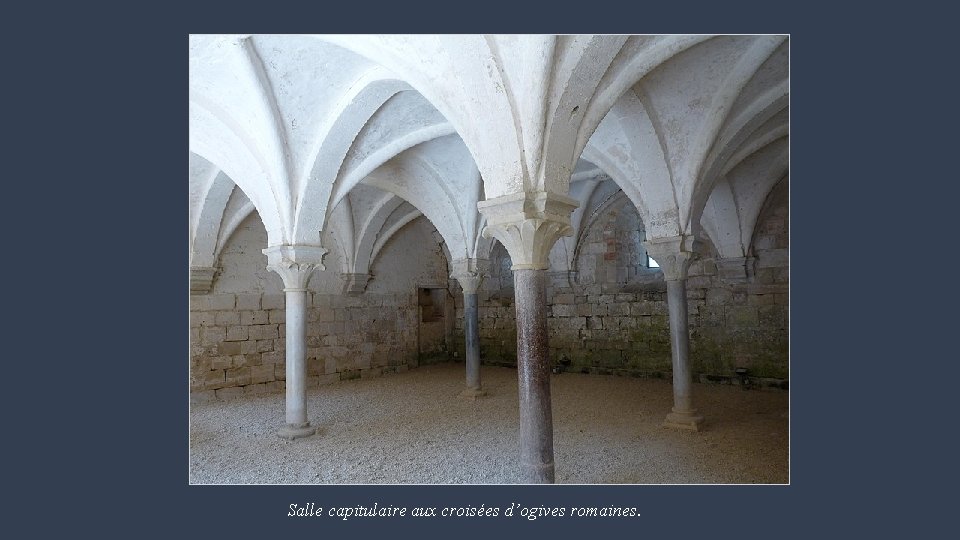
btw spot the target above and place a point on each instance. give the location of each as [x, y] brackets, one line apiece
[96, 266]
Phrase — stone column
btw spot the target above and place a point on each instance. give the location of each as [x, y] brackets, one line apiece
[674, 256]
[528, 224]
[469, 273]
[295, 264]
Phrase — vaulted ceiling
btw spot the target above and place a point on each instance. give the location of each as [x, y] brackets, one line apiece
[357, 135]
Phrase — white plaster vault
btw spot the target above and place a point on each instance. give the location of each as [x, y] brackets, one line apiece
[361, 134]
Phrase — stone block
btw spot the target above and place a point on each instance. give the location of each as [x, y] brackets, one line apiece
[764, 276]
[265, 345]
[248, 318]
[229, 393]
[699, 282]
[212, 335]
[563, 299]
[371, 373]
[273, 301]
[229, 347]
[772, 316]
[255, 389]
[710, 316]
[280, 371]
[327, 378]
[764, 242]
[248, 347]
[262, 374]
[272, 358]
[255, 359]
[349, 374]
[739, 298]
[219, 302]
[277, 316]
[248, 302]
[619, 309]
[263, 331]
[696, 294]
[236, 333]
[742, 316]
[214, 379]
[238, 376]
[202, 318]
[205, 396]
[196, 303]
[363, 361]
[717, 296]
[221, 362]
[276, 387]
[760, 299]
[329, 364]
[564, 310]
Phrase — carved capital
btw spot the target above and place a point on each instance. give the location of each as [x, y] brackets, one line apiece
[355, 284]
[673, 254]
[735, 269]
[295, 264]
[470, 273]
[201, 279]
[528, 224]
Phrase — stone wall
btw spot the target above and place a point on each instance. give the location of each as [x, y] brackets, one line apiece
[613, 319]
[237, 333]
[237, 340]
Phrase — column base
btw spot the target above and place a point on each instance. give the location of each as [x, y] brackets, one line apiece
[684, 420]
[473, 393]
[296, 431]
[536, 473]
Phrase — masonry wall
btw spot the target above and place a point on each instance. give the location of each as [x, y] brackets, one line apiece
[237, 333]
[613, 318]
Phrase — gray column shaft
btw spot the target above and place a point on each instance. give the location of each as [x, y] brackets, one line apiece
[533, 372]
[679, 345]
[471, 329]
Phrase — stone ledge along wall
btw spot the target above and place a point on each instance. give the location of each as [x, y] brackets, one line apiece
[617, 322]
[237, 332]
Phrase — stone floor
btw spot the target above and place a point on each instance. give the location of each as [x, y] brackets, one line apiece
[411, 428]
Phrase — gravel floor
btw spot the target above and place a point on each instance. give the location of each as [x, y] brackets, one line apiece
[411, 428]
